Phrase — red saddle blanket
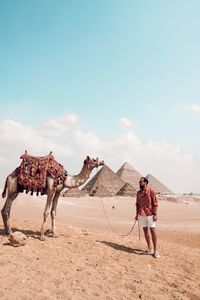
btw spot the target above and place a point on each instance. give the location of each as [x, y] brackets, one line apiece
[33, 171]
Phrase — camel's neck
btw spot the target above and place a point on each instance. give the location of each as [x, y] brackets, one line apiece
[77, 180]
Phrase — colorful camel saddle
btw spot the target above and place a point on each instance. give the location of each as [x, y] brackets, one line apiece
[33, 171]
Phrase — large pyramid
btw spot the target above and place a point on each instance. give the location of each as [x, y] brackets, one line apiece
[159, 187]
[104, 183]
[128, 174]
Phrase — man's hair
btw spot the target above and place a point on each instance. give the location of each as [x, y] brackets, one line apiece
[145, 180]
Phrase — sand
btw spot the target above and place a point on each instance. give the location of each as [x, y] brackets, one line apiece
[90, 261]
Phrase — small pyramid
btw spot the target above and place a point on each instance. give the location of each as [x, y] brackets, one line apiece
[127, 190]
[130, 175]
[159, 187]
[74, 192]
[105, 183]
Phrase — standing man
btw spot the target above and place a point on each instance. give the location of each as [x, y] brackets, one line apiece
[146, 214]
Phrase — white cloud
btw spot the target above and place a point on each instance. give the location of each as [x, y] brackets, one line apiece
[88, 143]
[195, 108]
[127, 122]
[167, 162]
[55, 127]
[16, 138]
[179, 171]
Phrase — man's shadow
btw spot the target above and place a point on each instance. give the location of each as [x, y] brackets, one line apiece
[122, 248]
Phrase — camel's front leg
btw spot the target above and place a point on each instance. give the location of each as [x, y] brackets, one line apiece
[6, 212]
[45, 214]
[53, 215]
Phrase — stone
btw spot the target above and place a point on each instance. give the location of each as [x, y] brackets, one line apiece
[17, 239]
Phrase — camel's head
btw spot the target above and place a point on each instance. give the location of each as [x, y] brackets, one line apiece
[92, 163]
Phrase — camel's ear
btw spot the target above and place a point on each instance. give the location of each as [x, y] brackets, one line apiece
[87, 159]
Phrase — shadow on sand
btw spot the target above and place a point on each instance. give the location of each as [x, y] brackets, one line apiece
[28, 233]
[123, 248]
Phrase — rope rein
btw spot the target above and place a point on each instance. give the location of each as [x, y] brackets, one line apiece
[123, 235]
[126, 234]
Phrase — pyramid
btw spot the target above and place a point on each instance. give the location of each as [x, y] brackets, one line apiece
[159, 187]
[129, 175]
[105, 183]
[127, 190]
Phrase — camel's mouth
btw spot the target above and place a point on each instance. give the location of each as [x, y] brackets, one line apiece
[101, 163]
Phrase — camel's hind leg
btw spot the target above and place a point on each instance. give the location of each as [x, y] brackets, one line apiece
[53, 215]
[12, 191]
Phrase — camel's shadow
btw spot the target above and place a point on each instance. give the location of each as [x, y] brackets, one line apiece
[120, 247]
[27, 232]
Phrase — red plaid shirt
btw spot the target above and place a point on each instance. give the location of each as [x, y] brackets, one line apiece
[146, 202]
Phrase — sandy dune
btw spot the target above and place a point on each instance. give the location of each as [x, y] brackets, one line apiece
[90, 261]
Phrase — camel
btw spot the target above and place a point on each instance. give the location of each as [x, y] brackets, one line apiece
[12, 188]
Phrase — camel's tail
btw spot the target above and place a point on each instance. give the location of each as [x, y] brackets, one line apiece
[5, 188]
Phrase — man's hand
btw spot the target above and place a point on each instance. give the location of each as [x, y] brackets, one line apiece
[155, 218]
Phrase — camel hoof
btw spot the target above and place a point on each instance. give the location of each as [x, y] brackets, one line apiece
[48, 232]
[55, 235]
[7, 233]
[42, 238]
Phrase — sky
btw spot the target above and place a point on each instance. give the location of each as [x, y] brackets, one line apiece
[110, 78]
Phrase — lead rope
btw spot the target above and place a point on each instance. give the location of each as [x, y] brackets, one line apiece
[123, 235]
[126, 234]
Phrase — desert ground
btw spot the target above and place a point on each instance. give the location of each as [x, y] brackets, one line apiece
[90, 260]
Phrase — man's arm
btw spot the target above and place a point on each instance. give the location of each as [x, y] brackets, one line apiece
[137, 208]
[154, 199]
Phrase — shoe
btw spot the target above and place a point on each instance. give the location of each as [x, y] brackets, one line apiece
[156, 254]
